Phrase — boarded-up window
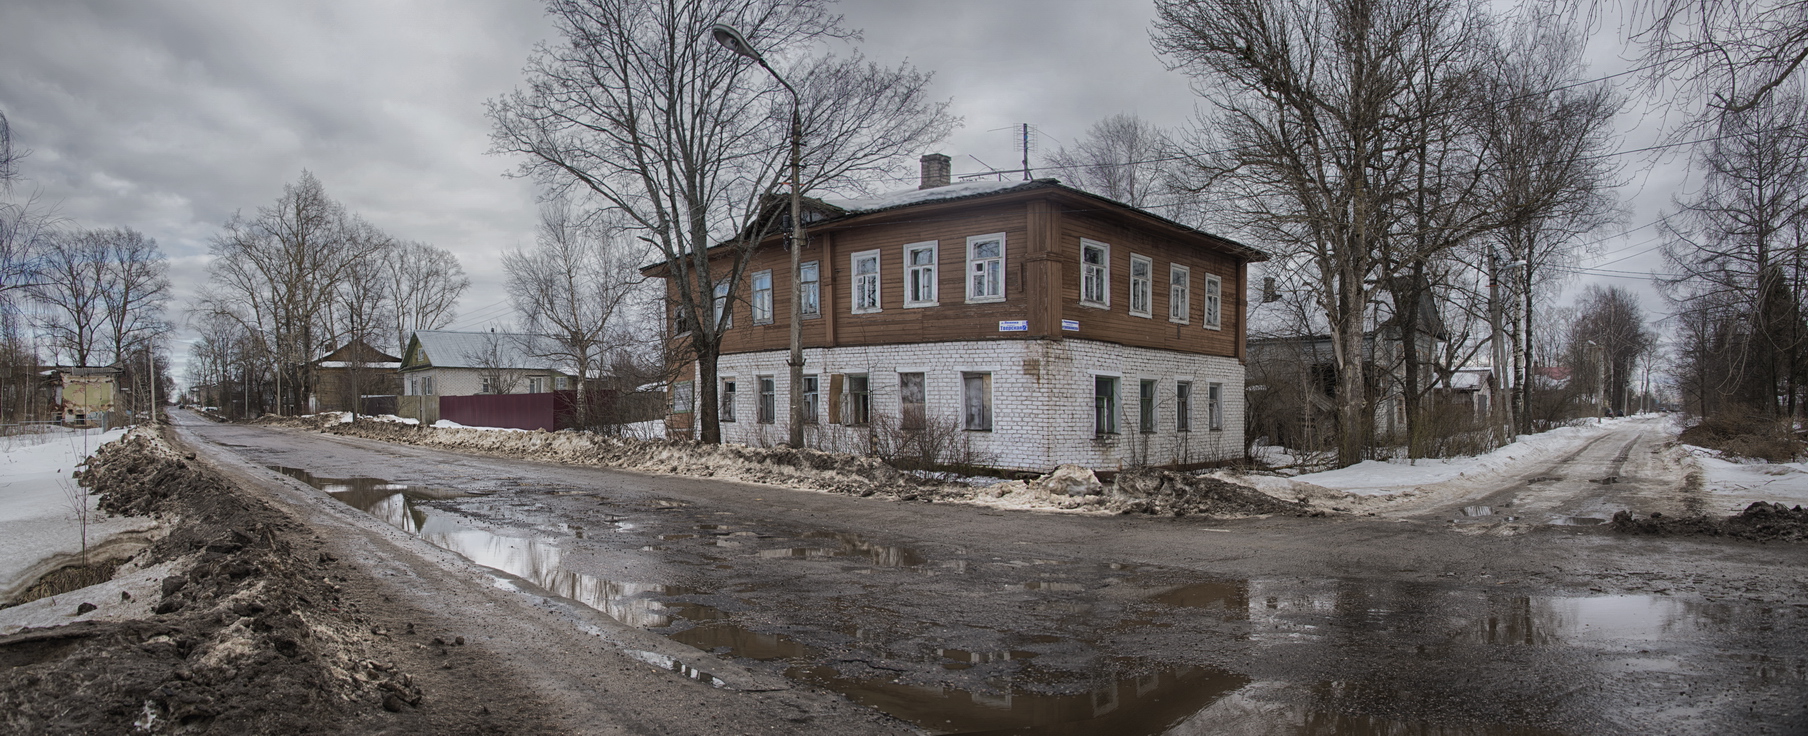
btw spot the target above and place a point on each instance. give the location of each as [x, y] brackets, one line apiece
[976, 401]
[911, 409]
[835, 389]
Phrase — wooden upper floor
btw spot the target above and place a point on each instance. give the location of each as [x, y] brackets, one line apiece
[1032, 261]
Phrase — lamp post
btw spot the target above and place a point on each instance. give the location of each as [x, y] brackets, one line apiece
[732, 40]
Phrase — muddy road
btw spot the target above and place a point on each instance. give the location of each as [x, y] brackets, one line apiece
[1487, 608]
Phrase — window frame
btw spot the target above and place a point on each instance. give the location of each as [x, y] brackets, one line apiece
[855, 278]
[985, 421]
[975, 263]
[859, 409]
[1214, 303]
[1104, 405]
[909, 419]
[724, 307]
[810, 288]
[1214, 406]
[762, 297]
[684, 391]
[1148, 286]
[812, 397]
[1180, 293]
[927, 273]
[1103, 271]
[725, 400]
[1183, 406]
[536, 384]
[1146, 421]
[766, 404]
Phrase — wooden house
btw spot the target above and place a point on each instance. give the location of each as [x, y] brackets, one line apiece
[1046, 324]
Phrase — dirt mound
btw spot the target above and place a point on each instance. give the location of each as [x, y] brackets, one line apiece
[1764, 522]
[247, 635]
[1750, 436]
[1150, 491]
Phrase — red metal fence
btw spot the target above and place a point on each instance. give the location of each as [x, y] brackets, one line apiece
[549, 411]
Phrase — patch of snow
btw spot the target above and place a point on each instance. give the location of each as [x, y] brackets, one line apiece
[39, 502]
[144, 586]
[1732, 485]
[889, 200]
[449, 424]
[391, 418]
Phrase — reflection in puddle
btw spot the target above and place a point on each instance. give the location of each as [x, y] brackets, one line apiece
[850, 545]
[1268, 708]
[532, 558]
[1231, 597]
[1478, 510]
[1146, 704]
[1550, 619]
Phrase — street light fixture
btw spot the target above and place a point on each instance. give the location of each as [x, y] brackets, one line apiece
[732, 40]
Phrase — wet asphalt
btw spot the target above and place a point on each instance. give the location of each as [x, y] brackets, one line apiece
[1505, 613]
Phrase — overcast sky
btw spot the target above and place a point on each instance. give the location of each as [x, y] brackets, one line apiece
[168, 116]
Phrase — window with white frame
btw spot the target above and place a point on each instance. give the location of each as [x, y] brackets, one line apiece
[536, 384]
[561, 383]
[919, 274]
[1104, 405]
[762, 298]
[724, 319]
[1214, 303]
[726, 413]
[1142, 274]
[1180, 281]
[1214, 405]
[1095, 273]
[812, 398]
[681, 397]
[859, 400]
[913, 409]
[487, 385]
[976, 402]
[809, 277]
[985, 268]
[866, 281]
[768, 406]
[1183, 406]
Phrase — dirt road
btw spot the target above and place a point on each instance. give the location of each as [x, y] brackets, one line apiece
[763, 609]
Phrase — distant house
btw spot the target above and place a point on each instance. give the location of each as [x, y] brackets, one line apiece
[440, 363]
[356, 371]
[85, 397]
[1038, 323]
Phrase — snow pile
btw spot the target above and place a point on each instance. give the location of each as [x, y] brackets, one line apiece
[1734, 484]
[40, 505]
[1385, 477]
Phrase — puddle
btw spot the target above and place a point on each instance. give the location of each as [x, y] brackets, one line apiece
[1231, 597]
[1272, 708]
[849, 545]
[535, 559]
[1577, 521]
[1151, 703]
[1540, 620]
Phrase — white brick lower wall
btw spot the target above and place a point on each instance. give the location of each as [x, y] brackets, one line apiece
[1042, 399]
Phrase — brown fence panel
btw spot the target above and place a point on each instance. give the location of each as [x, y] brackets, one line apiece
[517, 411]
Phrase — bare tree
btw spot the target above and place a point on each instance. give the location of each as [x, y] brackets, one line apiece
[136, 290]
[426, 283]
[277, 274]
[1738, 249]
[1606, 341]
[1733, 53]
[640, 111]
[497, 359]
[1120, 157]
[1303, 140]
[1543, 172]
[575, 287]
[72, 291]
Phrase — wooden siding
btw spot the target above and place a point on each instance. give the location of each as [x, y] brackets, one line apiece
[1042, 282]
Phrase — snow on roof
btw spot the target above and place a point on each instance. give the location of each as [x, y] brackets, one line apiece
[350, 364]
[1470, 378]
[919, 196]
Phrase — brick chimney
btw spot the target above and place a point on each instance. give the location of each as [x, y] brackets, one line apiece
[935, 171]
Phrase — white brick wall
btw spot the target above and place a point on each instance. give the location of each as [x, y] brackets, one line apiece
[1042, 398]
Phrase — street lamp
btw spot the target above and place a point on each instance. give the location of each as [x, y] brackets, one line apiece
[732, 40]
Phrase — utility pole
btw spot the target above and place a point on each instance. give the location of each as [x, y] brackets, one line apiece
[1026, 151]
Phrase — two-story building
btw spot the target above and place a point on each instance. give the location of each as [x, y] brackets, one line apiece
[1048, 324]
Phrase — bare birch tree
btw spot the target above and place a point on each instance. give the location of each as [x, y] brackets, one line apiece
[575, 287]
[639, 110]
[1120, 157]
[426, 283]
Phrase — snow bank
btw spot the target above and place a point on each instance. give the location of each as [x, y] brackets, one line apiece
[39, 523]
[1387, 477]
[1732, 485]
